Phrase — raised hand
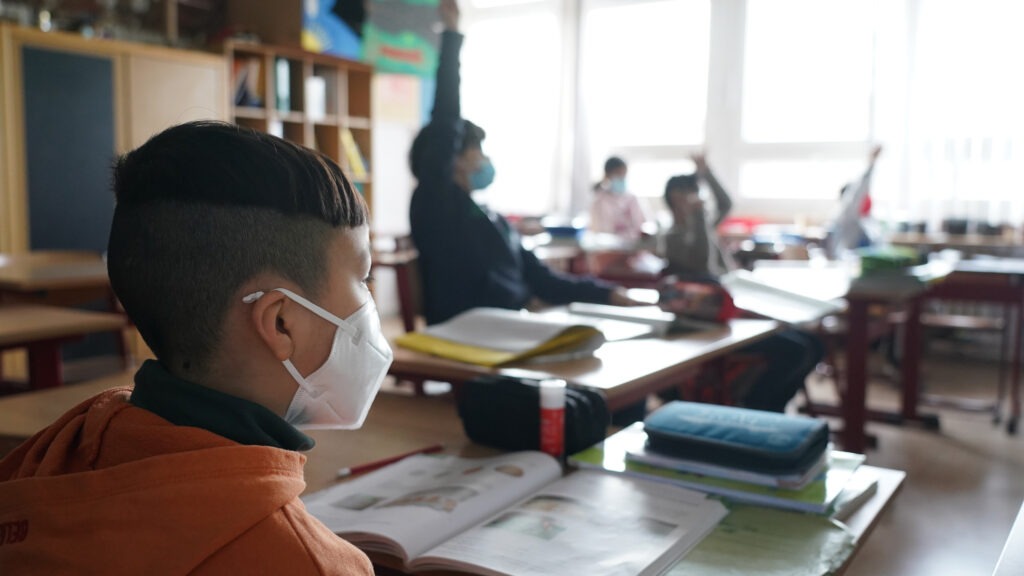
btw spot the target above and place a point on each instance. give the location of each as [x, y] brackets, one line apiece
[449, 10]
[700, 159]
[876, 151]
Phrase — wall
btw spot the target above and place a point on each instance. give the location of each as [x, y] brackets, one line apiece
[397, 118]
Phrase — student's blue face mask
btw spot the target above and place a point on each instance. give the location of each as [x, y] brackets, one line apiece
[618, 185]
[483, 175]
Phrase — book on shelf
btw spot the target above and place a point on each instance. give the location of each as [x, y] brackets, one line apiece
[637, 450]
[282, 85]
[817, 497]
[495, 336]
[514, 514]
[353, 156]
[248, 82]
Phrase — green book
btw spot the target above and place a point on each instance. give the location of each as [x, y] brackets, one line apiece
[816, 498]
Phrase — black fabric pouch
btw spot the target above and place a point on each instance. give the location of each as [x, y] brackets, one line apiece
[504, 412]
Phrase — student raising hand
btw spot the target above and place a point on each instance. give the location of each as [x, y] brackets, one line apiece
[449, 10]
[700, 160]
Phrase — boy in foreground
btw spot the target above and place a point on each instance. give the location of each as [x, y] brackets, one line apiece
[242, 259]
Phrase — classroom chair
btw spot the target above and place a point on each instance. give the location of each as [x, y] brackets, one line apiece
[958, 306]
[404, 260]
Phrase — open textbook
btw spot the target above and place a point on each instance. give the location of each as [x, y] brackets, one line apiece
[761, 297]
[660, 322]
[515, 514]
[494, 336]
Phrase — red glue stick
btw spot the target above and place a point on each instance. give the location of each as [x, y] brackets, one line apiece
[552, 417]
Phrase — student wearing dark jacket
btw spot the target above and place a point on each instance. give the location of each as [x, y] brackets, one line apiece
[469, 255]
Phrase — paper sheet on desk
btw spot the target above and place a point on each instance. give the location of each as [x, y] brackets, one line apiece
[769, 542]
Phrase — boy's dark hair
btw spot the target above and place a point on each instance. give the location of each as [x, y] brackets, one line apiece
[203, 207]
[612, 164]
[421, 155]
[686, 183]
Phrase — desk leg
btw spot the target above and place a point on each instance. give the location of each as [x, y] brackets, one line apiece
[855, 396]
[44, 365]
[1011, 424]
[406, 299]
[911, 359]
[911, 369]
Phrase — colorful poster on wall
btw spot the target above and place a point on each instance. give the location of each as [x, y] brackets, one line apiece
[400, 36]
[334, 27]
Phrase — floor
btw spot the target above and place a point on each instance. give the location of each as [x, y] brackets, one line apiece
[965, 482]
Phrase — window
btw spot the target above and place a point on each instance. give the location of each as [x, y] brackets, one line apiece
[798, 179]
[966, 129]
[511, 89]
[645, 72]
[807, 73]
[647, 177]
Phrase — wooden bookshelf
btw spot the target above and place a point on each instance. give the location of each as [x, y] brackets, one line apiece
[269, 86]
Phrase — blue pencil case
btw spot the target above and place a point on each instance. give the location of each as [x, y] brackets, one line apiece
[754, 440]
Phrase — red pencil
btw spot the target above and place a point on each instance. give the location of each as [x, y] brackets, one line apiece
[342, 473]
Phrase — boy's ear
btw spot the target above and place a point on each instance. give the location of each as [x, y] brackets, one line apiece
[268, 318]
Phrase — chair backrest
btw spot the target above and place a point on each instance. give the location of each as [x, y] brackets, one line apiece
[404, 260]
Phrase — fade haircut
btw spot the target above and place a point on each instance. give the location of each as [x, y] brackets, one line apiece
[202, 208]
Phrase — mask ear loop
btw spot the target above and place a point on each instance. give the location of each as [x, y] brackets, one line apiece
[339, 322]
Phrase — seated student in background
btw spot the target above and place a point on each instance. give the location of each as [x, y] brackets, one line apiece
[614, 209]
[242, 259]
[692, 251]
[469, 255]
[691, 245]
[853, 227]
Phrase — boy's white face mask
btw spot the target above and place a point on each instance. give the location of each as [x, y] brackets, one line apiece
[339, 393]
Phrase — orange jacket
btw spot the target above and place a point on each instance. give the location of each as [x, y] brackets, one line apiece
[111, 488]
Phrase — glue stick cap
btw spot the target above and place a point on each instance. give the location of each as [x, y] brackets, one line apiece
[552, 394]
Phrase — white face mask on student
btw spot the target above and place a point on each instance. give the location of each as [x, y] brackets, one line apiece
[339, 393]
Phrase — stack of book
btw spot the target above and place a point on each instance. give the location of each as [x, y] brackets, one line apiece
[830, 484]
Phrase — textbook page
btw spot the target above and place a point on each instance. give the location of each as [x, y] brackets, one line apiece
[768, 300]
[498, 329]
[417, 503]
[492, 336]
[585, 523]
[769, 542]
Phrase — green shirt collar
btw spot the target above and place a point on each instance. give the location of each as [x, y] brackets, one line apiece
[186, 404]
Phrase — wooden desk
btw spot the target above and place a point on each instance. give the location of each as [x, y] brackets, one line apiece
[825, 283]
[42, 329]
[396, 424]
[999, 281]
[625, 371]
[972, 242]
[28, 277]
[1011, 562]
